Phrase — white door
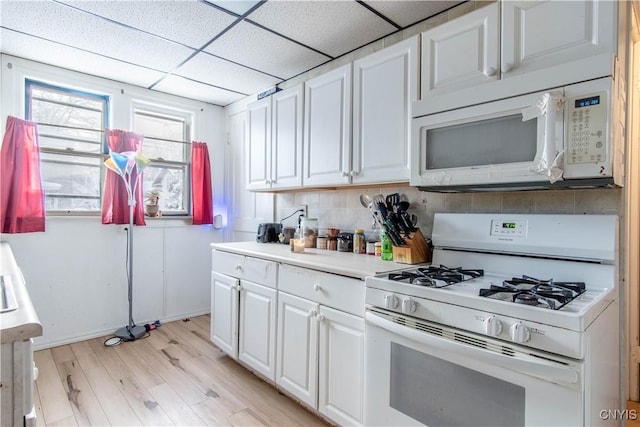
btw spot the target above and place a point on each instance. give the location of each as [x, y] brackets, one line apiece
[258, 151]
[341, 371]
[539, 35]
[286, 141]
[258, 328]
[385, 84]
[297, 356]
[327, 128]
[224, 313]
[461, 53]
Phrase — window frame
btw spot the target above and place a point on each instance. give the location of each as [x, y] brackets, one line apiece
[159, 111]
[102, 154]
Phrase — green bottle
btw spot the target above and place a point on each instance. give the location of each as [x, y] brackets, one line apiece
[387, 248]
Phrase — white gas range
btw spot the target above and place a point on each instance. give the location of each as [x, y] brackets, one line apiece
[518, 315]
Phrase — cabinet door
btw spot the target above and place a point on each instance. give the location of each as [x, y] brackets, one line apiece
[297, 355]
[224, 313]
[384, 86]
[286, 141]
[461, 53]
[327, 128]
[257, 335]
[341, 371]
[258, 151]
[538, 35]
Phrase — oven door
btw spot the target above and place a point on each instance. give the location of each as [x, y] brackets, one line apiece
[488, 144]
[420, 373]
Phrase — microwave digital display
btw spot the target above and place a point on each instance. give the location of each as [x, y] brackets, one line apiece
[587, 102]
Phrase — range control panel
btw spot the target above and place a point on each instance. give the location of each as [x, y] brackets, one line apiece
[508, 228]
[587, 129]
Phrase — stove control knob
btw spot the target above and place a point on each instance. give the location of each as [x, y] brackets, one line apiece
[391, 302]
[492, 326]
[409, 306]
[519, 333]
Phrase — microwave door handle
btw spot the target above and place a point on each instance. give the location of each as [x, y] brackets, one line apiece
[541, 369]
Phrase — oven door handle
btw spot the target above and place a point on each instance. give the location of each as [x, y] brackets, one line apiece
[537, 368]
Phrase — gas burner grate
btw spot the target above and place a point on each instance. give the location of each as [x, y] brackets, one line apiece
[438, 277]
[535, 292]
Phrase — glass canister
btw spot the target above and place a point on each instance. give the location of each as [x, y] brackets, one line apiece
[310, 231]
[359, 242]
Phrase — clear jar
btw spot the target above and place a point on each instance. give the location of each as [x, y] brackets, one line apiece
[359, 242]
[310, 231]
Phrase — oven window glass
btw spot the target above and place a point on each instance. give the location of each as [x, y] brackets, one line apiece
[487, 142]
[439, 393]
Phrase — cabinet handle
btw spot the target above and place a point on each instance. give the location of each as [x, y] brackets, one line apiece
[237, 287]
[238, 267]
[354, 173]
[321, 317]
[317, 287]
[312, 313]
[507, 67]
[345, 174]
[490, 72]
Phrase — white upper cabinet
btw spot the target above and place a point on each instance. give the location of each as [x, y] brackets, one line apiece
[327, 128]
[274, 141]
[385, 84]
[544, 44]
[286, 138]
[461, 53]
[258, 146]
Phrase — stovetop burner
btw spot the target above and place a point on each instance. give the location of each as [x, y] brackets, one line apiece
[531, 291]
[437, 277]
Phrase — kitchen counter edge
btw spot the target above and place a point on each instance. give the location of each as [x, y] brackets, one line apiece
[357, 266]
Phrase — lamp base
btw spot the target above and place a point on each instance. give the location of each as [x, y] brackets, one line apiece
[130, 334]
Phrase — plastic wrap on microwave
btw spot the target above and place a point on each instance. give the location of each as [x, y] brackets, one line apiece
[550, 161]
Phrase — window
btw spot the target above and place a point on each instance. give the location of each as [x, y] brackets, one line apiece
[166, 136]
[72, 144]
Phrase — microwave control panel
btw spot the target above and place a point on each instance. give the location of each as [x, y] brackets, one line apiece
[587, 129]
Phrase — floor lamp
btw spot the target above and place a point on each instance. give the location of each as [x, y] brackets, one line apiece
[125, 164]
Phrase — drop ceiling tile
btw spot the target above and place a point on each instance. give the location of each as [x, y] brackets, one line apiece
[405, 13]
[78, 29]
[47, 52]
[199, 91]
[239, 7]
[218, 72]
[189, 22]
[332, 27]
[257, 48]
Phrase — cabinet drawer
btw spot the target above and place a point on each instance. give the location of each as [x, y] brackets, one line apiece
[245, 268]
[332, 290]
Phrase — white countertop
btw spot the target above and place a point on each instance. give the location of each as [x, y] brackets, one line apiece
[347, 264]
[22, 323]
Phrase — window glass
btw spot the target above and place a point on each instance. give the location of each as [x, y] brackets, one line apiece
[166, 136]
[71, 127]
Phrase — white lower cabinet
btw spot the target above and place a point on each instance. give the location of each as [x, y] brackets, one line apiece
[243, 312]
[320, 354]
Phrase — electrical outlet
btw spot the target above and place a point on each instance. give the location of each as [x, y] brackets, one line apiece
[304, 209]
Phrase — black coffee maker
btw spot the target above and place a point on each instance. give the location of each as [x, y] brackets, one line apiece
[268, 232]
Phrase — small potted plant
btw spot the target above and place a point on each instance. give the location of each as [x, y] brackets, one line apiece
[152, 200]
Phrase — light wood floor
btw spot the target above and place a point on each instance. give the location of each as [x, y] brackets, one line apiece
[173, 377]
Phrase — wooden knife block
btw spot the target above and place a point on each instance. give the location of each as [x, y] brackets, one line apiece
[415, 251]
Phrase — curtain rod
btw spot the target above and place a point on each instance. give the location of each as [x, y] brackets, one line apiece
[102, 131]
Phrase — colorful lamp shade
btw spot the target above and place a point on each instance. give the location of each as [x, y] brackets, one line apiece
[124, 164]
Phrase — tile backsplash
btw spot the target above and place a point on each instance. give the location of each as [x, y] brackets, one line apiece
[341, 208]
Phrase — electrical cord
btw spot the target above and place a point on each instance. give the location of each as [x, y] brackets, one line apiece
[295, 212]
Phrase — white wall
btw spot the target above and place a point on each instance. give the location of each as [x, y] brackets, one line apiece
[76, 269]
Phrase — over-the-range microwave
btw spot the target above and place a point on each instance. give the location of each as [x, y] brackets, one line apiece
[555, 138]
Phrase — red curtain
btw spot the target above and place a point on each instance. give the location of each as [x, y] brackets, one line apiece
[115, 206]
[201, 184]
[21, 197]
